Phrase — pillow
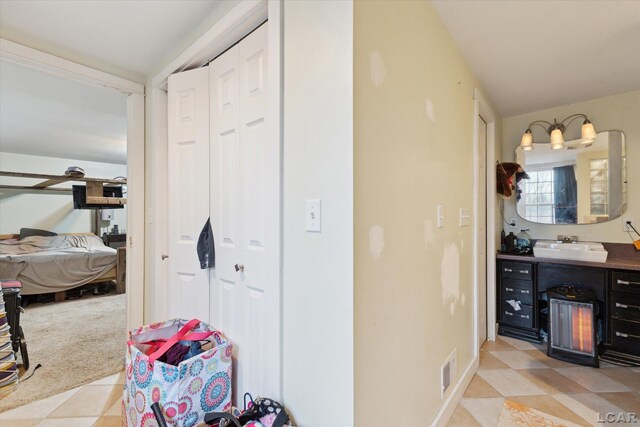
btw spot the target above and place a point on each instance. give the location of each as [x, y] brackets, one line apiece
[28, 232]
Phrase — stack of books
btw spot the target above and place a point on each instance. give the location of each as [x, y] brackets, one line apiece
[8, 366]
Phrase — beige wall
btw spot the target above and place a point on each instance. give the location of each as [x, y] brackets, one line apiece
[618, 112]
[413, 145]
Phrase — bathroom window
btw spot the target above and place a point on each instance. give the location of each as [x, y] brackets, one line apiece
[538, 196]
[599, 187]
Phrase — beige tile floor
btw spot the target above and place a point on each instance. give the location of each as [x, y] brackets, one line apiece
[522, 372]
[509, 369]
[97, 404]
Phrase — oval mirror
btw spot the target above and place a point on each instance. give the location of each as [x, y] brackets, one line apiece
[583, 185]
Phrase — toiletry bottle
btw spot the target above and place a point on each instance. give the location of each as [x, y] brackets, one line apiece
[510, 242]
[503, 244]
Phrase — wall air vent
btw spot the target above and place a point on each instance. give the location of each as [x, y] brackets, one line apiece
[448, 373]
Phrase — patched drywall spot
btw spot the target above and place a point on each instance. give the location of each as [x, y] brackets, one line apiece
[450, 276]
[431, 113]
[463, 298]
[378, 70]
[429, 236]
[376, 241]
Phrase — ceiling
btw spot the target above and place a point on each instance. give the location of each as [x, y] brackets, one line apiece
[131, 39]
[46, 115]
[535, 54]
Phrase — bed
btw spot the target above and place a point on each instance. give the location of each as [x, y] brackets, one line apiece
[54, 264]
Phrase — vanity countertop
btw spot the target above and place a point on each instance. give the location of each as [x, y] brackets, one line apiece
[621, 256]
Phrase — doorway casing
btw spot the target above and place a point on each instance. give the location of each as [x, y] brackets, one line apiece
[51, 64]
[482, 108]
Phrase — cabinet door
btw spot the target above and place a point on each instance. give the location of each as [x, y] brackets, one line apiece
[245, 185]
[188, 192]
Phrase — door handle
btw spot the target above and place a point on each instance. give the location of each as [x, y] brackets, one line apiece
[239, 267]
[164, 256]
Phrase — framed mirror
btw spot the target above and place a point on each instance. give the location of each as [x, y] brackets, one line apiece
[584, 185]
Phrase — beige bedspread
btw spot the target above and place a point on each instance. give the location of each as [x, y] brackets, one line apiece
[54, 264]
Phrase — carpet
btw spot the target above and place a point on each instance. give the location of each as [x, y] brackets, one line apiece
[76, 342]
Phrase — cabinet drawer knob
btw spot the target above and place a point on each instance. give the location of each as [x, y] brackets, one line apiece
[524, 291]
[508, 289]
[524, 316]
[508, 270]
[524, 271]
[508, 313]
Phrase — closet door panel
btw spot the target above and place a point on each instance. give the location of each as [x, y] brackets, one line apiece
[245, 178]
[261, 180]
[227, 292]
[188, 191]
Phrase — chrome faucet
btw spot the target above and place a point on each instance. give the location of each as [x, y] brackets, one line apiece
[567, 239]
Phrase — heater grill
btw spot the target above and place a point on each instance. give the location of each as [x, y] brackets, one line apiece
[572, 325]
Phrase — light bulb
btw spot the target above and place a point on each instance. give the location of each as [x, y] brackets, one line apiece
[588, 133]
[557, 141]
[527, 141]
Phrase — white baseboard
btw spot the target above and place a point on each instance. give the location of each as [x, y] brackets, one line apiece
[449, 406]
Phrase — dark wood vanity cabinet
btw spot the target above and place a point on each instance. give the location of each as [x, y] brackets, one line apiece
[624, 309]
[523, 284]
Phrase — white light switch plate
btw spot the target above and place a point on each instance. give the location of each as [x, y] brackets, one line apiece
[313, 215]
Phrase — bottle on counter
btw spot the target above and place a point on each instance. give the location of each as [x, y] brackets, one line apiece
[510, 242]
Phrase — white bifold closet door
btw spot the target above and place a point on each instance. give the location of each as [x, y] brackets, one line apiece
[188, 191]
[245, 185]
[235, 179]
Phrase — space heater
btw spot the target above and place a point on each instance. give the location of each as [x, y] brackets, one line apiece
[572, 325]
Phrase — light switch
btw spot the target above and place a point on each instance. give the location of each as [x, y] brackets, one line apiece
[314, 215]
[440, 216]
[465, 217]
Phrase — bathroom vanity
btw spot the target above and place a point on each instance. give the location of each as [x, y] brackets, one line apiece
[522, 282]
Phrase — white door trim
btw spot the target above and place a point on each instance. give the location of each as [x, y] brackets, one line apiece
[48, 63]
[51, 64]
[481, 108]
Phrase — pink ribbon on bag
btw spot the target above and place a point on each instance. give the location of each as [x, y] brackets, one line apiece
[181, 335]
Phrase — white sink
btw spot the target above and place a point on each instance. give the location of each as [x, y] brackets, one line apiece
[579, 251]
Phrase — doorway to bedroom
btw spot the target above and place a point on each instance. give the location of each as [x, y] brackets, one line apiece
[63, 229]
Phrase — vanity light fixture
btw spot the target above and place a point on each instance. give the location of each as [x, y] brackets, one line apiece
[556, 130]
